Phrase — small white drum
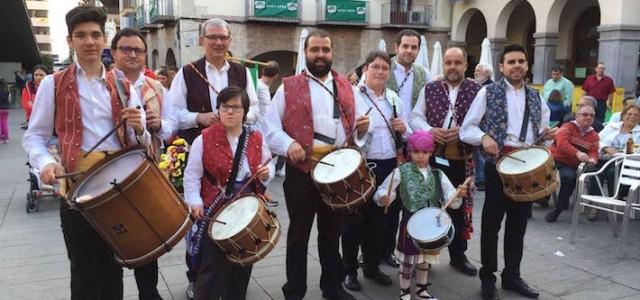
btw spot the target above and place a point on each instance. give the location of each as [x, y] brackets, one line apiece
[531, 180]
[343, 179]
[430, 232]
[245, 230]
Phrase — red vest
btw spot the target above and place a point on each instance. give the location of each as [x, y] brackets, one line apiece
[68, 117]
[298, 122]
[217, 159]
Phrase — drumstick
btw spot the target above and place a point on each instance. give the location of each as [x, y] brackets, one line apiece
[252, 178]
[346, 141]
[386, 207]
[455, 195]
[69, 174]
[540, 138]
[514, 158]
[321, 162]
[106, 136]
[214, 220]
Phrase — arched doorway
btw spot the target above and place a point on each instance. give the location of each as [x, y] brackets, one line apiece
[476, 32]
[287, 61]
[520, 29]
[170, 60]
[154, 59]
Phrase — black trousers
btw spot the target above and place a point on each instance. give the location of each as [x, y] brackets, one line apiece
[94, 272]
[567, 184]
[218, 277]
[363, 227]
[147, 281]
[496, 205]
[303, 203]
[456, 174]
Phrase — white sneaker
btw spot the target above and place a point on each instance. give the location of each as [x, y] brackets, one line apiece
[421, 292]
[280, 172]
[190, 290]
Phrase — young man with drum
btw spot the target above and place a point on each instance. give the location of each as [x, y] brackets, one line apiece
[363, 226]
[222, 159]
[448, 101]
[503, 117]
[419, 186]
[311, 114]
[81, 104]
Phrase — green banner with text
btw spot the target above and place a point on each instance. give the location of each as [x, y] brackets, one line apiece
[346, 11]
[284, 9]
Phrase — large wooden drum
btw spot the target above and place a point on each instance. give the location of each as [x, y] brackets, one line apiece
[530, 177]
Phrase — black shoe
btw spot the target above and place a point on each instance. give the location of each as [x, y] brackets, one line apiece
[351, 283]
[489, 292]
[390, 260]
[463, 265]
[480, 186]
[340, 294]
[378, 277]
[552, 216]
[519, 286]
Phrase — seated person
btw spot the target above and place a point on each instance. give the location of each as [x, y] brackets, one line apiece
[617, 117]
[576, 142]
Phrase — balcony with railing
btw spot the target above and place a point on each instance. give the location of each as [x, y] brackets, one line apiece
[286, 11]
[343, 12]
[397, 15]
[162, 11]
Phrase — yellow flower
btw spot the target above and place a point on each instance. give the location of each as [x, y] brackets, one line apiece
[182, 156]
[163, 165]
[171, 149]
[179, 142]
[164, 157]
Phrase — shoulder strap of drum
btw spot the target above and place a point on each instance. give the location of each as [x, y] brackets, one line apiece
[436, 177]
[236, 163]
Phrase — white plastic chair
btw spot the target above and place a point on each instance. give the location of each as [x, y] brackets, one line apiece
[629, 174]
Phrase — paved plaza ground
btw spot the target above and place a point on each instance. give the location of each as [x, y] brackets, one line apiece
[34, 265]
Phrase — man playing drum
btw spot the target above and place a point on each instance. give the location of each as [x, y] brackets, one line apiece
[503, 117]
[448, 101]
[221, 160]
[81, 104]
[311, 114]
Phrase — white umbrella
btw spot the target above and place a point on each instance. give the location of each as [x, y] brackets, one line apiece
[436, 61]
[301, 63]
[382, 45]
[423, 55]
[485, 55]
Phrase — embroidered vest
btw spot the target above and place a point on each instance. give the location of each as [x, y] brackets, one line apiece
[413, 191]
[68, 123]
[419, 80]
[437, 101]
[152, 99]
[298, 121]
[198, 97]
[217, 159]
[495, 122]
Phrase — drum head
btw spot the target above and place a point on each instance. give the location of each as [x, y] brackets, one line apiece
[118, 169]
[534, 158]
[345, 162]
[236, 215]
[424, 227]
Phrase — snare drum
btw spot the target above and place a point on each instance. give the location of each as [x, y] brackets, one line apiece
[343, 179]
[132, 206]
[531, 180]
[245, 230]
[430, 232]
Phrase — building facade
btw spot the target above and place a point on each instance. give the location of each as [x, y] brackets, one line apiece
[39, 14]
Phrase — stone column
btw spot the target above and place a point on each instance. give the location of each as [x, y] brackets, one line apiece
[497, 45]
[619, 45]
[545, 56]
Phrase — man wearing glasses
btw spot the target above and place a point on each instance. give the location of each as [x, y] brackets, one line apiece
[129, 51]
[196, 85]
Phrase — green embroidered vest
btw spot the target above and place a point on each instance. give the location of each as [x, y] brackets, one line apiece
[413, 191]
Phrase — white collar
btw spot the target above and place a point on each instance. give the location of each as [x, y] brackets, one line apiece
[511, 87]
[325, 82]
[402, 68]
[224, 68]
[81, 73]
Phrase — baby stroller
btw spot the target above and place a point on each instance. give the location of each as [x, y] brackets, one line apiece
[38, 190]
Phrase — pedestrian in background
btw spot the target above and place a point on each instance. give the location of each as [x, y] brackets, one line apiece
[29, 93]
[601, 87]
[4, 111]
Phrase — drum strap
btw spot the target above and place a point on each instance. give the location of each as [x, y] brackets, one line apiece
[436, 177]
[525, 123]
[229, 191]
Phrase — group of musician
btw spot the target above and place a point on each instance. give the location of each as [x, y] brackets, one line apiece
[397, 114]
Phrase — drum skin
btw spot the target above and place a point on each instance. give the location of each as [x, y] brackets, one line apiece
[252, 243]
[427, 233]
[538, 181]
[141, 218]
[349, 192]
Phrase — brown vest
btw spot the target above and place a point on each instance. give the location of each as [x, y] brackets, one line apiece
[198, 97]
[298, 122]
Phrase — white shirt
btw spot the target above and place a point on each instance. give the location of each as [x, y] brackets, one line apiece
[406, 92]
[194, 171]
[418, 119]
[219, 79]
[447, 188]
[471, 133]
[322, 111]
[611, 136]
[264, 97]
[381, 142]
[167, 118]
[95, 110]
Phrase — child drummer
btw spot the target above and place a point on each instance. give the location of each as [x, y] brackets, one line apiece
[417, 184]
[211, 178]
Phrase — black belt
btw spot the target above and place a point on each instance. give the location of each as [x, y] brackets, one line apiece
[323, 138]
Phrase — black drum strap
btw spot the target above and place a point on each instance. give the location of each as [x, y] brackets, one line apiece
[436, 177]
[236, 163]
